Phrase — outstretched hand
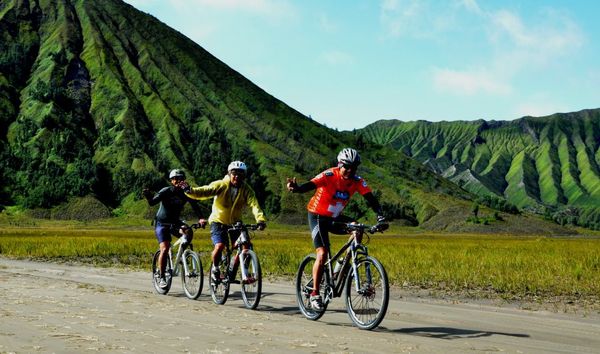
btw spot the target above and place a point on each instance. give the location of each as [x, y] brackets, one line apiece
[184, 186]
[147, 193]
[292, 184]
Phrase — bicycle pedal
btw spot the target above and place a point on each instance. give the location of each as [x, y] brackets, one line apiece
[249, 280]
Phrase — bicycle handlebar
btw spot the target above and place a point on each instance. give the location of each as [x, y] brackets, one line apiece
[240, 226]
[380, 227]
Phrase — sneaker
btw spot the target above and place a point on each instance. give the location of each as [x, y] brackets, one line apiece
[215, 274]
[162, 283]
[316, 303]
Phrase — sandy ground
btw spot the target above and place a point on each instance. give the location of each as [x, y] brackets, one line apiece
[56, 308]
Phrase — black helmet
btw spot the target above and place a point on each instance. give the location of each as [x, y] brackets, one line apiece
[176, 173]
[349, 156]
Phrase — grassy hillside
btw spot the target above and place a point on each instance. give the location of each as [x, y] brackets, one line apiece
[100, 100]
[543, 163]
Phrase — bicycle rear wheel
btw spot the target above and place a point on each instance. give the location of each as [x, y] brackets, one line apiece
[252, 285]
[367, 302]
[304, 286]
[156, 276]
[219, 288]
[193, 279]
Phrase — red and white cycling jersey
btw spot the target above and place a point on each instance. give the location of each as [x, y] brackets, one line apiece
[334, 192]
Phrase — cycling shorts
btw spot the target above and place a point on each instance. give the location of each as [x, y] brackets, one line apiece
[219, 234]
[164, 231]
[320, 226]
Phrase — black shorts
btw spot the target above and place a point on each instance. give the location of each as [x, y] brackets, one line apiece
[320, 226]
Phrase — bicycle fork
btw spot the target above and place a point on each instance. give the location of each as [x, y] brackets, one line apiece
[179, 259]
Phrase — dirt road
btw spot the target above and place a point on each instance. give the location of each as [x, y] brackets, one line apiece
[49, 308]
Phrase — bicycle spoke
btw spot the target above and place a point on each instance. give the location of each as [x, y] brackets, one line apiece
[156, 276]
[220, 288]
[191, 274]
[251, 279]
[305, 286]
[367, 301]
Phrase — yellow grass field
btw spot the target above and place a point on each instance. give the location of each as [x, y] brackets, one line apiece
[511, 267]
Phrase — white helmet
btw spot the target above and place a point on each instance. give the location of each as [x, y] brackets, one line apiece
[177, 173]
[349, 156]
[237, 165]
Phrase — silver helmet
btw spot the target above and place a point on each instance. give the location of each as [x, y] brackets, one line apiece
[176, 173]
[349, 156]
[237, 165]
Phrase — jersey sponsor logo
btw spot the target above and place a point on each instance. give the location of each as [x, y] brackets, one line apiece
[328, 173]
[364, 183]
[341, 195]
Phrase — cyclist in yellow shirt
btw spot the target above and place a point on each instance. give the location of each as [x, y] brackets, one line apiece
[231, 195]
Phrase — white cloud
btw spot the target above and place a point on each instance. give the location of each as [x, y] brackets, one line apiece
[326, 24]
[469, 82]
[517, 47]
[471, 6]
[402, 17]
[336, 57]
[555, 34]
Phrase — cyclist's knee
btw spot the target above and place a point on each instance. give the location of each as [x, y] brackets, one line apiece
[164, 246]
[219, 247]
[321, 251]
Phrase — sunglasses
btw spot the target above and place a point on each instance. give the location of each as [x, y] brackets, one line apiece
[349, 167]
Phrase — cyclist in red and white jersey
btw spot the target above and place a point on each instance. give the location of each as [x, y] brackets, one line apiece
[334, 187]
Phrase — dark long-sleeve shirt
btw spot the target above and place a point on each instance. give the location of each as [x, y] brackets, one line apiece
[172, 200]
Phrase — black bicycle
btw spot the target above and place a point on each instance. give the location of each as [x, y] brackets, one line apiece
[186, 262]
[245, 259]
[360, 277]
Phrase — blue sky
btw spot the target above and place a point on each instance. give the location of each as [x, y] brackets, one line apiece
[350, 63]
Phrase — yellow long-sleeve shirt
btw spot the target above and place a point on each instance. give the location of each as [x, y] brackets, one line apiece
[225, 209]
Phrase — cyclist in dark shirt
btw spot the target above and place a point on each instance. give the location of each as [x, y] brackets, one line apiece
[167, 222]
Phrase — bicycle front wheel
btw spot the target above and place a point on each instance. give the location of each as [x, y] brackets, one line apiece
[367, 293]
[192, 278]
[219, 288]
[304, 286]
[156, 276]
[252, 283]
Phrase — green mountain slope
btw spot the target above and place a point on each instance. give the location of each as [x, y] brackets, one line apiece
[99, 99]
[544, 162]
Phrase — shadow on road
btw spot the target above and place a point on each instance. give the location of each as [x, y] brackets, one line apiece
[452, 333]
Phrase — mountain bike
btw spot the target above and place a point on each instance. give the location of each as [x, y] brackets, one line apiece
[186, 263]
[244, 258]
[360, 277]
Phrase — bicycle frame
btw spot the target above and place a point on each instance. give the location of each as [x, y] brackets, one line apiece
[181, 248]
[357, 251]
[241, 244]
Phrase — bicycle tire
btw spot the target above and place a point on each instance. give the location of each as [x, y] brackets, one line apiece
[252, 285]
[367, 306]
[193, 281]
[304, 287]
[156, 276]
[219, 290]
